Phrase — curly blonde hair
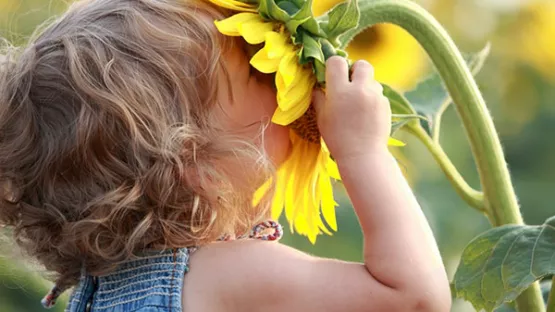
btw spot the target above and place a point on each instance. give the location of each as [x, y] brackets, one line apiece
[107, 141]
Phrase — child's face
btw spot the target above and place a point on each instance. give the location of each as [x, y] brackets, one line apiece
[252, 106]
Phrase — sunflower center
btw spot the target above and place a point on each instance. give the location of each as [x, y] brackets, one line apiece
[368, 40]
[306, 127]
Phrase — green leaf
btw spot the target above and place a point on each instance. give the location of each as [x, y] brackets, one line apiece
[501, 263]
[341, 18]
[301, 17]
[294, 24]
[327, 48]
[429, 95]
[320, 72]
[401, 109]
[311, 48]
[399, 104]
[312, 26]
[289, 7]
[298, 3]
[400, 120]
[269, 9]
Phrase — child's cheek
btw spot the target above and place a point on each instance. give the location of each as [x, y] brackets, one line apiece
[277, 143]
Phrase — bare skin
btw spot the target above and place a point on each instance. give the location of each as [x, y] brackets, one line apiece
[402, 269]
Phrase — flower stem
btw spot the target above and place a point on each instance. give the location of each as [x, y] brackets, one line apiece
[551, 300]
[499, 195]
[472, 197]
[437, 122]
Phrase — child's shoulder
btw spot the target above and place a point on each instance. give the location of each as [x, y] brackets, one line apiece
[241, 274]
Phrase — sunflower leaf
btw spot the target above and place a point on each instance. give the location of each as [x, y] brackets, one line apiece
[269, 10]
[294, 24]
[497, 266]
[400, 120]
[312, 26]
[302, 16]
[430, 95]
[312, 48]
[399, 104]
[289, 7]
[342, 18]
[320, 72]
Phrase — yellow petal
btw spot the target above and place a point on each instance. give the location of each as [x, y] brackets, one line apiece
[308, 197]
[255, 32]
[235, 5]
[289, 68]
[279, 196]
[299, 91]
[331, 166]
[332, 169]
[263, 63]
[328, 203]
[295, 102]
[285, 118]
[323, 227]
[276, 44]
[318, 199]
[394, 142]
[230, 25]
[261, 192]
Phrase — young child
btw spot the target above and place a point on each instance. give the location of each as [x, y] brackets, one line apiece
[132, 133]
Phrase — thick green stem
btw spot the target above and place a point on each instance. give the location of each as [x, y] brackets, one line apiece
[551, 300]
[500, 199]
[471, 196]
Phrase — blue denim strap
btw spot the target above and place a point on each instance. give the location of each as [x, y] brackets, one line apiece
[82, 296]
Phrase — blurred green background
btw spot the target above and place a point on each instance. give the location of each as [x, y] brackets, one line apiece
[518, 82]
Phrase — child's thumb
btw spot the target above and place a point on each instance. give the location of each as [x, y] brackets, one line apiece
[318, 100]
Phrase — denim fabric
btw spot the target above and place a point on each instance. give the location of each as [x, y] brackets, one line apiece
[152, 283]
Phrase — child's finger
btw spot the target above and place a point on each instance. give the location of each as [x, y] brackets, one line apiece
[337, 71]
[376, 87]
[318, 100]
[363, 72]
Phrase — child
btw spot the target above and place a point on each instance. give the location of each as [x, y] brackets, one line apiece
[132, 133]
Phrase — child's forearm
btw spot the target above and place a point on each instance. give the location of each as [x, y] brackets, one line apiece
[399, 247]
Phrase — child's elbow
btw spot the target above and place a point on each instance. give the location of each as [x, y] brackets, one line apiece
[437, 299]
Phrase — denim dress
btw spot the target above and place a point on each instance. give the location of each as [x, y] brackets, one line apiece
[150, 283]
[153, 283]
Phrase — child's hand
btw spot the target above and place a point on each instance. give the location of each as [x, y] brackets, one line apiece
[353, 116]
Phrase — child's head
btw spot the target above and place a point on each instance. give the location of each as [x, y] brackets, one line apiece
[119, 132]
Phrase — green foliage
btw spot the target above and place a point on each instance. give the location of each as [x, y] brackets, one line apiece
[312, 49]
[430, 98]
[21, 289]
[302, 16]
[270, 10]
[501, 263]
[342, 18]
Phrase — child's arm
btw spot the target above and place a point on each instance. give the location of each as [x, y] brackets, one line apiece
[402, 269]
[399, 247]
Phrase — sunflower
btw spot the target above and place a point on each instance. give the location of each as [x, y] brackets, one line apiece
[294, 82]
[304, 190]
[397, 57]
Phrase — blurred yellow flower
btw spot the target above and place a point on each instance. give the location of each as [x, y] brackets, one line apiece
[537, 37]
[398, 59]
